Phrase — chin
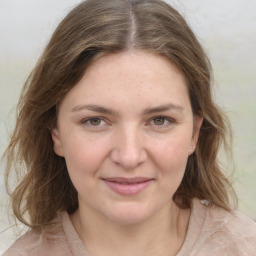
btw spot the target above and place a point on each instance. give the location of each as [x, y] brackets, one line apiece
[129, 214]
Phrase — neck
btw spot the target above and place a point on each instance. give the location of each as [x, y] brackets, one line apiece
[163, 234]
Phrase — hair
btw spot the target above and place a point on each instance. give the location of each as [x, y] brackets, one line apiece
[94, 28]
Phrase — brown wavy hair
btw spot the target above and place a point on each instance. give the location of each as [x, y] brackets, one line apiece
[92, 29]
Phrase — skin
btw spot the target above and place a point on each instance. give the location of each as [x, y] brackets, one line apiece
[129, 116]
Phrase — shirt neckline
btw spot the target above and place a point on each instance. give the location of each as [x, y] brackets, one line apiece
[196, 222]
[195, 226]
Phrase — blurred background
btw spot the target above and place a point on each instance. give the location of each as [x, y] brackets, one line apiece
[226, 29]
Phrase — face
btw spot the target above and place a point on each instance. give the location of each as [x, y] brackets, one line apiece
[126, 131]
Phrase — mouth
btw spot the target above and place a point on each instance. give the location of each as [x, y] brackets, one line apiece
[128, 186]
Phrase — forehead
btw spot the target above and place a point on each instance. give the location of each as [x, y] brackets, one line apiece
[135, 64]
[131, 78]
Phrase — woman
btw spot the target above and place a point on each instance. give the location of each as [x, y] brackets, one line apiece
[119, 136]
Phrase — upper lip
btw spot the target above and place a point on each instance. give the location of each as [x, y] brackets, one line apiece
[123, 180]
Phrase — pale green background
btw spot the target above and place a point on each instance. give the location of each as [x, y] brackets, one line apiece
[227, 30]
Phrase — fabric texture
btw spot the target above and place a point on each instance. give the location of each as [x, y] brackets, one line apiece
[212, 231]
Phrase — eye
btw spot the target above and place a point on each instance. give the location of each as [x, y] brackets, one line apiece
[94, 121]
[161, 121]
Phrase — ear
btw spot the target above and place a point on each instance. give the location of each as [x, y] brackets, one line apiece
[198, 120]
[57, 144]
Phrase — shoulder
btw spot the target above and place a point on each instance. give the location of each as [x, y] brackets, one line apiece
[227, 232]
[233, 224]
[47, 242]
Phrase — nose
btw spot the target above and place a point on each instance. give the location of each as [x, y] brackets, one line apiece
[128, 148]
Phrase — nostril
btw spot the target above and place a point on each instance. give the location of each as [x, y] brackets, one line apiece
[128, 147]
[128, 159]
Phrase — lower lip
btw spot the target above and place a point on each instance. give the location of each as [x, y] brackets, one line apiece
[128, 189]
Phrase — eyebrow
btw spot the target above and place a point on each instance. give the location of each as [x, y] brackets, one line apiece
[147, 111]
[163, 108]
[95, 108]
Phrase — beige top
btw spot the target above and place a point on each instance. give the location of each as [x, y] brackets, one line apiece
[212, 231]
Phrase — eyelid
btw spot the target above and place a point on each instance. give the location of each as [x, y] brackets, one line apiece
[170, 120]
[85, 121]
[167, 118]
[163, 116]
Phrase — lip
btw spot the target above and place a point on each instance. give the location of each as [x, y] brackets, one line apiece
[128, 186]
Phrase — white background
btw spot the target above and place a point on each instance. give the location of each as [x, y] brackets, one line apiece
[227, 30]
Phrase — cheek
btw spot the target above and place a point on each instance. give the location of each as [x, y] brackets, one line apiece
[83, 155]
[83, 160]
[171, 157]
[173, 150]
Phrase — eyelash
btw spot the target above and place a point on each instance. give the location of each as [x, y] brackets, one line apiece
[169, 121]
[87, 121]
